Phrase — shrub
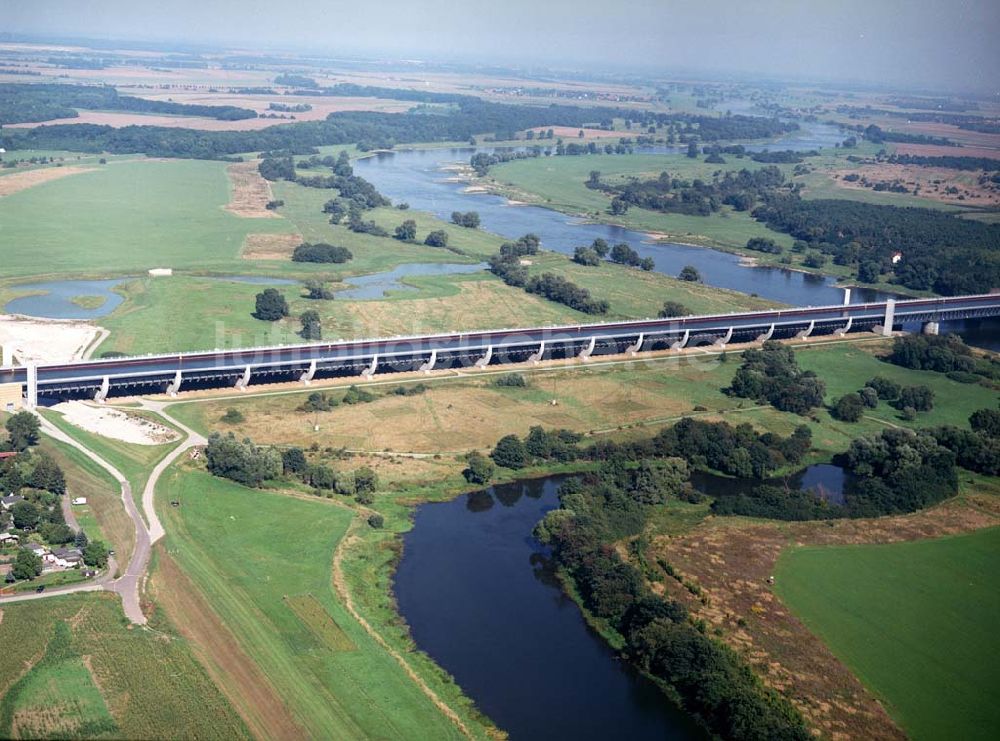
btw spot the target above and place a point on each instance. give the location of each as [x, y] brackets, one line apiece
[848, 408]
[920, 398]
[271, 305]
[437, 238]
[515, 380]
[479, 469]
[321, 252]
[886, 388]
[232, 417]
[376, 521]
[510, 452]
[690, 273]
[672, 309]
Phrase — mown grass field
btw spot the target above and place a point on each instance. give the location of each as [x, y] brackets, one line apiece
[71, 667]
[248, 552]
[126, 217]
[915, 621]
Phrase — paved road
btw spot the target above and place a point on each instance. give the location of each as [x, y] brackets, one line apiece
[129, 585]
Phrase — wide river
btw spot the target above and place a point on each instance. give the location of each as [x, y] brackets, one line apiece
[419, 177]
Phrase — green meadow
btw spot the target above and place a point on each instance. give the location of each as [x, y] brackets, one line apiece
[126, 217]
[916, 622]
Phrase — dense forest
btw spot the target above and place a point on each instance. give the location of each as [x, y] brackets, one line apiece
[35, 103]
[950, 162]
[940, 251]
[697, 197]
[367, 129]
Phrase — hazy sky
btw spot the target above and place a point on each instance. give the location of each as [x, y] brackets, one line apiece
[921, 43]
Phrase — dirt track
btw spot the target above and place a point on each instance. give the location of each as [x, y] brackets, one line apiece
[18, 181]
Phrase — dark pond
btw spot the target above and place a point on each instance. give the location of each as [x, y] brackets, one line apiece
[480, 597]
[823, 479]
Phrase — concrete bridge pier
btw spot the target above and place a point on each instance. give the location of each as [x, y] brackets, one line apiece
[846, 328]
[536, 356]
[847, 296]
[244, 380]
[586, 352]
[724, 340]
[633, 349]
[804, 334]
[368, 372]
[174, 386]
[931, 328]
[102, 392]
[890, 314]
[682, 342]
[485, 360]
[766, 335]
[307, 375]
[31, 389]
[429, 365]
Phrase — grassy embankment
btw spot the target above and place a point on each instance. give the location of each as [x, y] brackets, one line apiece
[914, 621]
[263, 563]
[72, 668]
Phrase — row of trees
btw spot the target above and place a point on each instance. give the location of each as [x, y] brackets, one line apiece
[45, 102]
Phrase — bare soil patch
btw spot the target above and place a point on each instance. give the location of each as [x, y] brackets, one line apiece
[934, 150]
[731, 559]
[936, 183]
[569, 133]
[18, 181]
[250, 192]
[115, 423]
[270, 246]
[46, 341]
[239, 678]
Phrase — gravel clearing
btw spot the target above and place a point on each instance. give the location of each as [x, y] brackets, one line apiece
[115, 423]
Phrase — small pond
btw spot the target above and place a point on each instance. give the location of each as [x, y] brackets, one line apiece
[55, 299]
[377, 285]
[256, 280]
[825, 480]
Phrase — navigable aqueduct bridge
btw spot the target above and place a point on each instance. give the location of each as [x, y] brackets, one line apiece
[98, 379]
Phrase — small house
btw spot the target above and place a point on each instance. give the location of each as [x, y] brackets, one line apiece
[9, 501]
[67, 558]
[79, 500]
[7, 539]
[39, 550]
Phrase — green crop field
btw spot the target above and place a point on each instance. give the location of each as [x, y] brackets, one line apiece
[72, 668]
[248, 551]
[127, 216]
[915, 621]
